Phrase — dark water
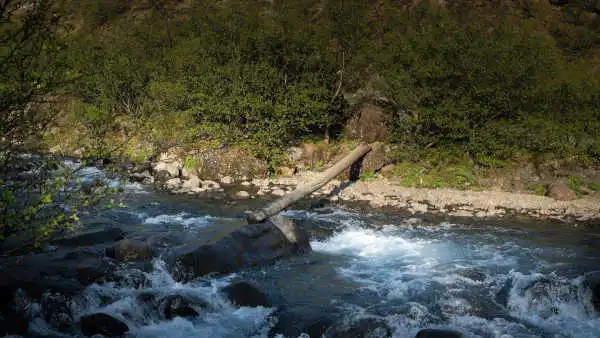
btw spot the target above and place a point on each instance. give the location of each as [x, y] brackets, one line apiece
[502, 280]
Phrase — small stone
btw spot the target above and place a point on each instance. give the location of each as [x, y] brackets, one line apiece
[278, 192]
[241, 195]
[210, 185]
[227, 180]
[246, 183]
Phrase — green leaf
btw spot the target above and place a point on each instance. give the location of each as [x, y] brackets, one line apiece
[46, 198]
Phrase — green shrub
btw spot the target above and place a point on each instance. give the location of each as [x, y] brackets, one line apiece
[368, 175]
[537, 189]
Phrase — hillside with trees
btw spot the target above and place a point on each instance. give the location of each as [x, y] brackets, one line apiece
[473, 82]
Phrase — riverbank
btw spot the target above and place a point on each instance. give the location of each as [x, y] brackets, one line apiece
[381, 192]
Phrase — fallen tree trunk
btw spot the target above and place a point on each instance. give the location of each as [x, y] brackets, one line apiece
[302, 191]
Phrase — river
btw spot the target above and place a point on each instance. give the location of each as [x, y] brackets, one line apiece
[484, 280]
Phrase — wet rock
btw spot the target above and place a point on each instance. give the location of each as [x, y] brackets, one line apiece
[56, 310]
[227, 180]
[13, 323]
[241, 195]
[129, 250]
[561, 192]
[504, 293]
[367, 328]
[146, 297]
[290, 324]
[177, 306]
[245, 294]
[438, 333]
[95, 271]
[143, 177]
[249, 246]
[89, 187]
[592, 282]
[100, 323]
[162, 241]
[92, 238]
[141, 167]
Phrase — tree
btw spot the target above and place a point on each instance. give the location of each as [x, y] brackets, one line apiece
[36, 197]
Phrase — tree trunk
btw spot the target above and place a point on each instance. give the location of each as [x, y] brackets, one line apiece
[302, 191]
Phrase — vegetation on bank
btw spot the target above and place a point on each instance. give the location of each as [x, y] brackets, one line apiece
[487, 80]
[463, 84]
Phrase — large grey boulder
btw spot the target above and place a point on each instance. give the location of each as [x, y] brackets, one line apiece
[250, 246]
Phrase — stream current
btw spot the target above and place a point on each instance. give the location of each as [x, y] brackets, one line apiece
[484, 280]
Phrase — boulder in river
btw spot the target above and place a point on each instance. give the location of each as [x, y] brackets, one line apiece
[177, 306]
[129, 250]
[56, 309]
[249, 246]
[245, 294]
[438, 333]
[592, 282]
[101, 323]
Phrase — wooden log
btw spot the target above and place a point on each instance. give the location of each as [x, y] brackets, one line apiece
[307, 189]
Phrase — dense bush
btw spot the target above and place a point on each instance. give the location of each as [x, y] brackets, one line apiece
[483, 79]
